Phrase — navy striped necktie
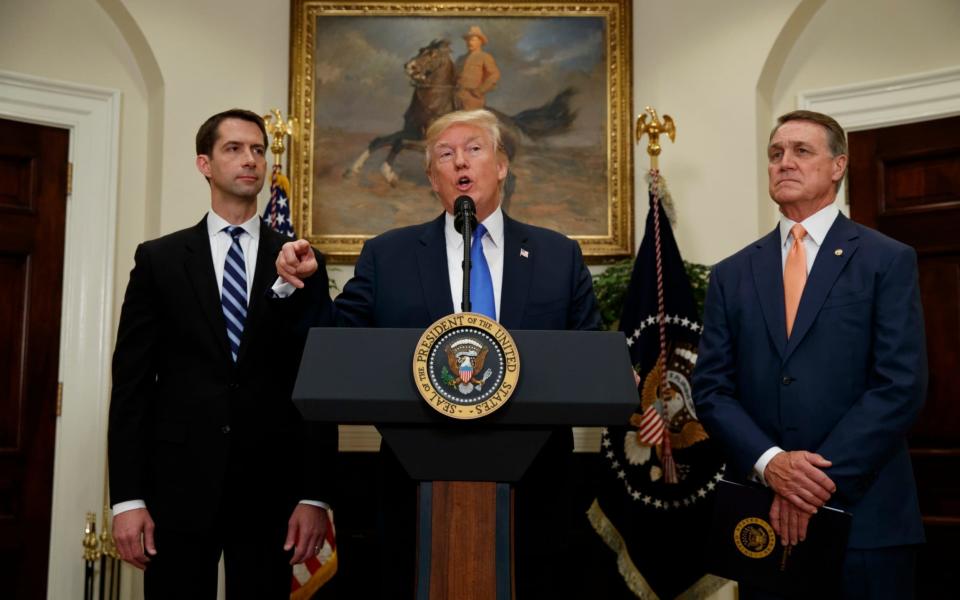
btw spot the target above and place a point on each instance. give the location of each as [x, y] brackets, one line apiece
[234, 294]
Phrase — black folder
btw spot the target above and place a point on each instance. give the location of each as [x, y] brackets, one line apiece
[743, 546]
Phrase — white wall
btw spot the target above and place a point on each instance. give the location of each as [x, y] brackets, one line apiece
[722, 70]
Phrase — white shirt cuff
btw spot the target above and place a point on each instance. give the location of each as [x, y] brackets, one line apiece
[761, 464]
[282, 289]
[122, 507]
[316, 503]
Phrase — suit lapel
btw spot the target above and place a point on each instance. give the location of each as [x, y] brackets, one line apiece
[203, 279]
[842, 236]
[768, 281]
[264, 274]
[517, 273]
[434, 274]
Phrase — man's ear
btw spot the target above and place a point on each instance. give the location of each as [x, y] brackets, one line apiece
[203, 165]
[839, 167]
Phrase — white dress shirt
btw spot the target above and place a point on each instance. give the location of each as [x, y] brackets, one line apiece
[816, 225]
[492, 250]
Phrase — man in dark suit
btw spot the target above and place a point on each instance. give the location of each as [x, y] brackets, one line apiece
[410, 277]
[207, 452]
[812, 364]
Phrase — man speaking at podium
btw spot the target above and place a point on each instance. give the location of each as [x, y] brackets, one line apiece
[523, 276]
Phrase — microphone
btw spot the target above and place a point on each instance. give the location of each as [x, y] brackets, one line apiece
[465, 221]
[464, 210]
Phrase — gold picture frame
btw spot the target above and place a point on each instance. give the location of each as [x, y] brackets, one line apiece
[565, 85]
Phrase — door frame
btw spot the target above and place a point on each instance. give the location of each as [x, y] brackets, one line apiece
[92, 115]
[885, 102]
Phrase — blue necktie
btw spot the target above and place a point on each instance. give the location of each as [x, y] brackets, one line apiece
[234, 295]
[481, 284]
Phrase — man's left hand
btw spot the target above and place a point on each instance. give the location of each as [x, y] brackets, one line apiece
[306, 530]
[789, 522]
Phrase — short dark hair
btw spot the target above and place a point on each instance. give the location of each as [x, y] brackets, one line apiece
[207, 134]
[836, 139]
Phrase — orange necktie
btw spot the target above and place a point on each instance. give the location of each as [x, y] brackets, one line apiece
[794, 275]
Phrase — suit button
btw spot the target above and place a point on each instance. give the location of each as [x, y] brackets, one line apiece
[787, 380]
[225, 429]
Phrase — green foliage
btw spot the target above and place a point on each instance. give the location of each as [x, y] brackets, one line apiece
[611, 288]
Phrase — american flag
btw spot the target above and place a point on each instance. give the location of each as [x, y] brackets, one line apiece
[311, 574]
[314, 572]
[277, 213]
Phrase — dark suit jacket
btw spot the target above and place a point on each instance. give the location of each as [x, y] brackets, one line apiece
[183, 415]
[401, 280]
[848, 384]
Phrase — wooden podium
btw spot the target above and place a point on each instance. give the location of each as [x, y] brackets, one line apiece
[465, 528]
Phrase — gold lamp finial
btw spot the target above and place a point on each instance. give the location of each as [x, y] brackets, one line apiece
[654, 129]
[278, 130]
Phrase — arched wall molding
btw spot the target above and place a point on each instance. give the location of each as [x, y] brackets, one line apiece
[152, 76]
[92, 115]
[766, 83]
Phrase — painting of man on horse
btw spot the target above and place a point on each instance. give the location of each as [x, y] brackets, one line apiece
[556, 146]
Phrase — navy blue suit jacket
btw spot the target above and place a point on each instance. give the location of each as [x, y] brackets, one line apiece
[847, 384]
[401, 280]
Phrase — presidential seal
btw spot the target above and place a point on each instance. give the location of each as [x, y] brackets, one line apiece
[754, 538]
[466, 366]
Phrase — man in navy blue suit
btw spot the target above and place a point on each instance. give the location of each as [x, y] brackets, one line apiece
[410, 277]
[812, 364]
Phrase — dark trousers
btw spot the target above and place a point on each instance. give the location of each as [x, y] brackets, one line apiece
[249, 529]
[868, 574]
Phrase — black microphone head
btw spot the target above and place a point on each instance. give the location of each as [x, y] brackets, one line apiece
[463, 206]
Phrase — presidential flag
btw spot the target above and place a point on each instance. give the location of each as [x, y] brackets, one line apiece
[661, 468]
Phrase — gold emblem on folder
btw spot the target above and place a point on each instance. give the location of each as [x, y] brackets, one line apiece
[754, 538]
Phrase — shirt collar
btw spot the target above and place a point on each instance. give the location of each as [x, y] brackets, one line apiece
[216, 223]
[493, 223]
[817, 225]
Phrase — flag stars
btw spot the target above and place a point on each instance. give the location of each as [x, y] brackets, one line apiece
[702, 493]
[621, 474]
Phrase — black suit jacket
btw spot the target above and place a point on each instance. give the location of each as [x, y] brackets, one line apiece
[184, 419]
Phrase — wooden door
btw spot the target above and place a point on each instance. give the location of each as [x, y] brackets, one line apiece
[33, 182]
[905, 182]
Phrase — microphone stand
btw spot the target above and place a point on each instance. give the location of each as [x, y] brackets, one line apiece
[464, 221]
[467, 263]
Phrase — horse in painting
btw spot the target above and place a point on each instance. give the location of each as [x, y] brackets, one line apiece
[433, 76]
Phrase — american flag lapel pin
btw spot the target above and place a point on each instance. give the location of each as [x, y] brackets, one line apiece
[524, 253]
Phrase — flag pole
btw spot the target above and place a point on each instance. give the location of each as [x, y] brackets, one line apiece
[653, 129]
[278, 213]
